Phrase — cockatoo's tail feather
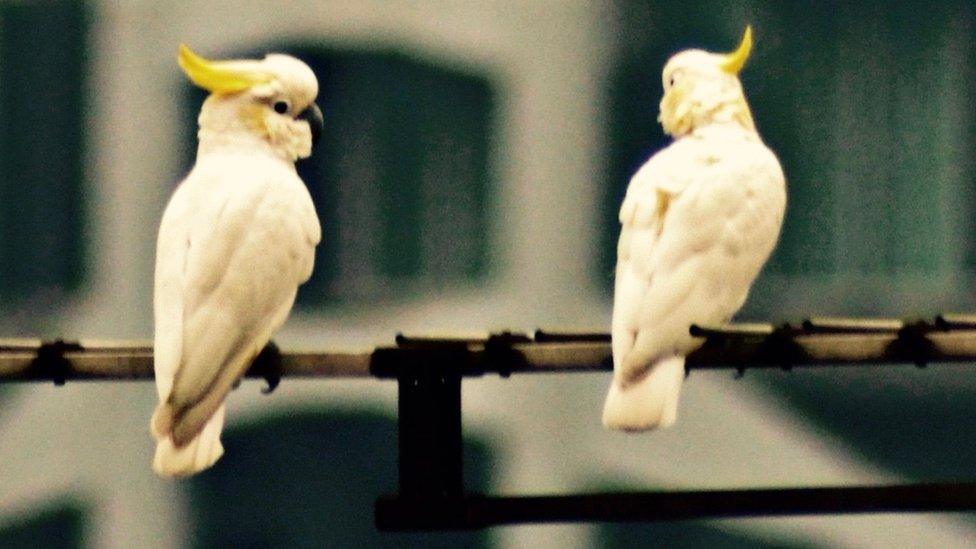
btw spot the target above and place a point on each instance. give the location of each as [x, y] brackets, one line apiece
[161, 423]
[190, 415]
[650, 402]
[202, 452]
[192, 419]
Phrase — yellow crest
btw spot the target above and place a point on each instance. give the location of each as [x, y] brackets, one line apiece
[734, 61]
[219, 76]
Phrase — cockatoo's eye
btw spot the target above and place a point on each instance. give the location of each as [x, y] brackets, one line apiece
[668, 82]
[281, 107]
[673, 78]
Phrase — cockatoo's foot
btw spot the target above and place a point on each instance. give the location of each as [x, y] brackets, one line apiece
[268, 365]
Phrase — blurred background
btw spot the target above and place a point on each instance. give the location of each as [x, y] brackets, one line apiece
[474, 159]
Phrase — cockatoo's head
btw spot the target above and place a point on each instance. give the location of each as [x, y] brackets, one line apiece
[702, 87]
[271, 101]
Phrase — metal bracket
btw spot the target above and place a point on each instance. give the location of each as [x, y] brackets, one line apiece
[49, 363]
[428, 374]
[431, 495]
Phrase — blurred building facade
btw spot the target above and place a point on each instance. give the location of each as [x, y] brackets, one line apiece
[469, 179]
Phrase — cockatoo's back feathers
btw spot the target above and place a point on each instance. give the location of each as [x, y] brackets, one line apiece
[698, 222]
[250, 233]
[721, 220]
[161, 423]
[242, 269]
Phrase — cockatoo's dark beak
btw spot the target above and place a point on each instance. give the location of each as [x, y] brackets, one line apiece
[313, 116]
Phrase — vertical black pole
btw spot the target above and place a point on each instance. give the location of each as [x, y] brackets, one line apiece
[430, 426]
[431, 495]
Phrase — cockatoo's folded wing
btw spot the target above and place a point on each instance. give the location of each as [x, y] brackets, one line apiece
[693, 237]
[240, 282]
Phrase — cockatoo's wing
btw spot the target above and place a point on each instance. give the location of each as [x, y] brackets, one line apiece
[171, 255]
[243, 255]
[697, 224]
[171, 248]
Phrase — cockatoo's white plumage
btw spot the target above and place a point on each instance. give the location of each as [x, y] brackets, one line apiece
[236, 240]
[699, 220]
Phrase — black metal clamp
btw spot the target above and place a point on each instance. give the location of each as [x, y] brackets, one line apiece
[50, 363]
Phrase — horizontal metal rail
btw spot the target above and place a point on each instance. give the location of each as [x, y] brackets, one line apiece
[813, 343]
[473, 511]
[58, 361]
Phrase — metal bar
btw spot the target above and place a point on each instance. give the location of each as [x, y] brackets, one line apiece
[479, 512]
[126, 360]
[950, 321]
[852, 325]
[750, 352]
[734, 330]
[815, 343]
[565, 336]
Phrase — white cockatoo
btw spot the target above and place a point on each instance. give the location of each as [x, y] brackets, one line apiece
[699, 220]
[236, 240]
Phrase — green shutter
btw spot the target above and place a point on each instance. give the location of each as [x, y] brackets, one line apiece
[43, 63]
[61, 526]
